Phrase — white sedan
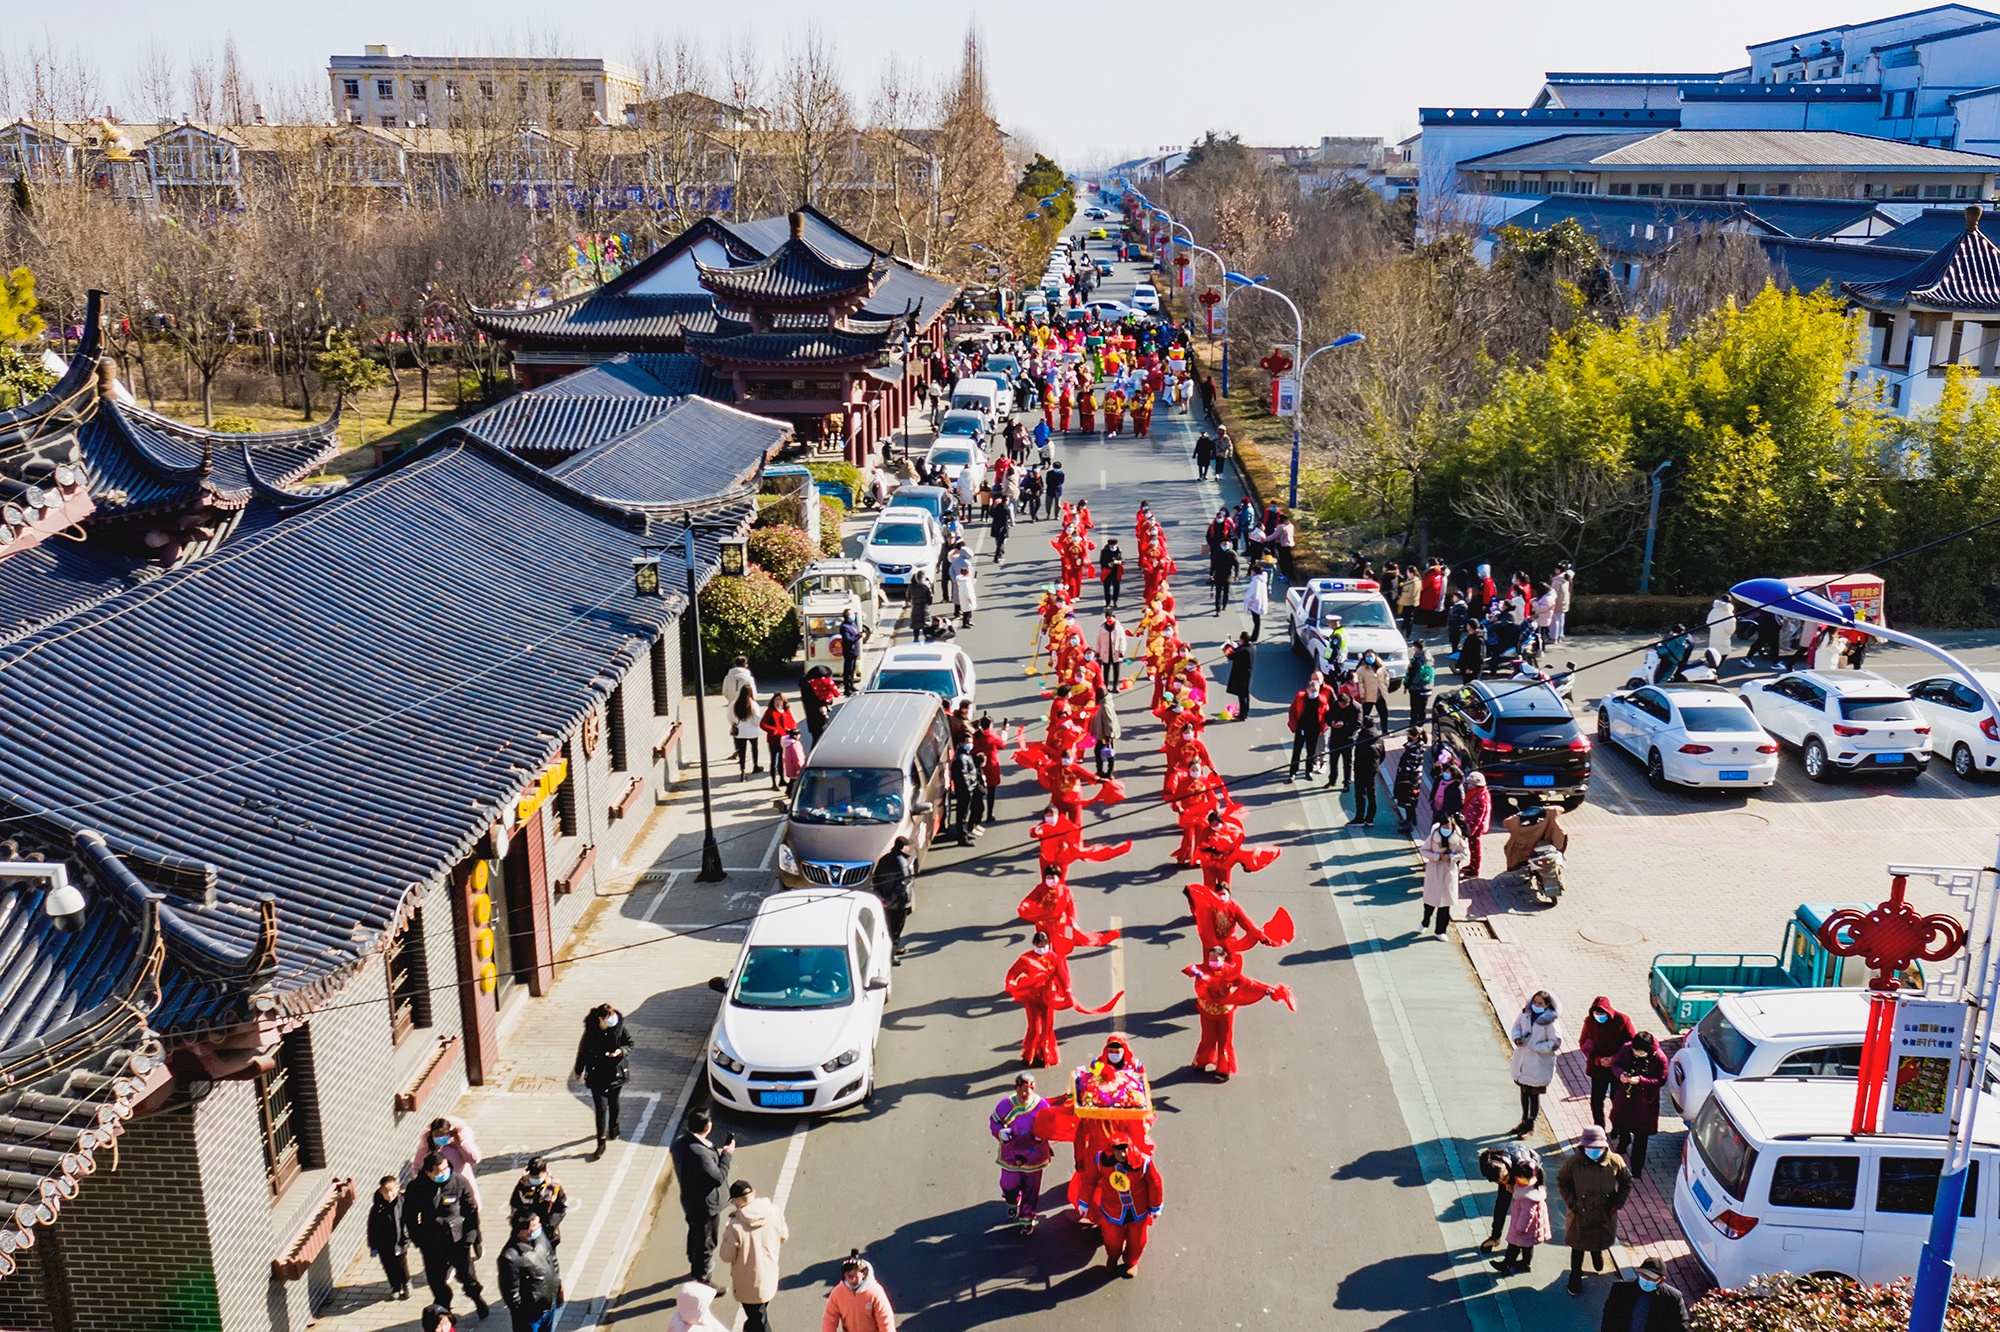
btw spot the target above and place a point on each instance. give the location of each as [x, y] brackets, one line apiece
[1689, 735]
[802, 1007]
[933, 668]
[1963, 729]
[1145, 298]
[905, 541]
[956, 456]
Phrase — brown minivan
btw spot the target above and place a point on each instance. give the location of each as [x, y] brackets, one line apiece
[881, 770]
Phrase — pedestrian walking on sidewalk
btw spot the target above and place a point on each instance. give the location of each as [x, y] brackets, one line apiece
[1002, 523]
[1646, 1303]
[1242, 661]
[441, 1217]
[1527, 1221]
[964, 586]
[849, 637]
[858, 1302]
[1204, 455]
[1498, 1165]
[778, 726]
[540, 1192]
[1594, 1183]
[738, 679]
[1371, 688]
[1257, 597]
[1605, 1032]
[1308, 719]
[968, 792]
[751, 1240]
[694, 1309]
[817, 695]
[386, 1240]
[1343, 723]
[1222, 563]
[602, 1066]
[530, 1277]
[451, 1136]
[1408, 786]
[1478, 818]
[1637, 1072]
[891, 884]
[1419, 680]
[1537, 1036]
[1443, 851]
[1368, 753]
[746, 732]
[702, 1169]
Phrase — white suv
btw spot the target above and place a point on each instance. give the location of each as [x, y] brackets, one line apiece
[1811, 1033]
[1851, 721]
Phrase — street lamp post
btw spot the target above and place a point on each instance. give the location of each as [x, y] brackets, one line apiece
[1932, 1294]
[1299, 359]
[646, 582]
[1652, 528]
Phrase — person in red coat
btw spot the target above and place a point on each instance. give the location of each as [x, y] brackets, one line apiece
[1605, 1032]
[1222, 922]
[1039, 982]
[1124, 1195]
[1220, 988]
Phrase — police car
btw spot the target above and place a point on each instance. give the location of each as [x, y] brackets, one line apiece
[1366, 621]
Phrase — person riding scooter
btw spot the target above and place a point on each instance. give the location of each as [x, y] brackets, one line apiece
[1530, 828]
[1674, 651]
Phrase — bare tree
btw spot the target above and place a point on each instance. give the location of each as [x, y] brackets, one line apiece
[815, 119]
[1564, 509]
[150, 86]
[1702, 271]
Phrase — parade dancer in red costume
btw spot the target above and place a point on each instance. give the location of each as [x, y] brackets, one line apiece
[1124, 1195]
[1039, 982]
[1063, 844]
[1222, 922]
[1220, 988]
[1221, 849]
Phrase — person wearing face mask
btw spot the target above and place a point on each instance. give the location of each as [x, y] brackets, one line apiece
[441, 1217]
[1537, 1036]
[1023, 1155]
[1637, 1073]
[1124, 1195]
[1647, 1304]
[530, 1278]
[1039, 982]
[1220, 988]
[453, 1137]
[601, 1065]
[1594, 1184]
[857, 1303]
[542, 1193]
[1371, 688]
[1605, 1032]
[701, 1168]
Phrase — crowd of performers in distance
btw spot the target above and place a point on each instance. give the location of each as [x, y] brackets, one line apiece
[1106, 1113]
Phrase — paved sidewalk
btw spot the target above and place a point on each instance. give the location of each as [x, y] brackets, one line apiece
[648, 945]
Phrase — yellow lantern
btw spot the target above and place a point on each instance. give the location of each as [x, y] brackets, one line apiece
[482, 910]
[489, 978]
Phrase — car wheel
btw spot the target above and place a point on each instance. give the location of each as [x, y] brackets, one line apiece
[1656, 771]
[1298, 648]
[1961, 762]
[1814, 758]
[1603, 726]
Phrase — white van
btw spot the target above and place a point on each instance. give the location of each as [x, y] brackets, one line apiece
[1772, 1181]
[978, 395]
[1805, 1032]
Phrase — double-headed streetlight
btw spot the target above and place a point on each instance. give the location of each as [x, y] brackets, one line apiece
[1982, 989]
[1300, 359]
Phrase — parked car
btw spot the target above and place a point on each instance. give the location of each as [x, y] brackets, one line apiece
[934, 668]
[1689, 735]
[933, 500]
[1366, 623]
[1095, 214]
[1521, 735]
[963, 426]
[1847, 721]
[1802, 1033]
[1144, 297]
[1099, 233]
[1963, 728]
[1002, 364]
[878, 772]
[955, 456]
[802, 1007]
[903, 541]
[1775, 1180]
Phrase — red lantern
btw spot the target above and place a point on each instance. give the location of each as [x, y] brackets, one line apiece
[1277, 363]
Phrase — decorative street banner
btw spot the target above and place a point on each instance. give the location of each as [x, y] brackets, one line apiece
[1922, 1055]
[1288, 397]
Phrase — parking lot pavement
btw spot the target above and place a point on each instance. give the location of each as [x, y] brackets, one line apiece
[1651, 872]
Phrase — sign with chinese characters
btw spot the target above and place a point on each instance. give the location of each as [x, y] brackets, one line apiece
[1922, 1054]
[734, 555]
[1288, 397]
[536, 793]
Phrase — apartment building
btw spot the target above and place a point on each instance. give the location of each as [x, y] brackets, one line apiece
[387, 89]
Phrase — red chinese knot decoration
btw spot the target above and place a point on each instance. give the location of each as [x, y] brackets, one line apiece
[1209, 297]
[1277, 362]
[1891, 937]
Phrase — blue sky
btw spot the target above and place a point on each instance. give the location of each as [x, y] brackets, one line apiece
[1086, 81]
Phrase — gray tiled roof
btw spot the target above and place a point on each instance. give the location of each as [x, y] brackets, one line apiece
[794, 273]
[691, 452]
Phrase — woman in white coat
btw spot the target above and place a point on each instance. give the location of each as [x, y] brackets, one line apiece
[1444, 850]
[1721, 627]
[1257, 600]
[1537, 1036]
[966, 584]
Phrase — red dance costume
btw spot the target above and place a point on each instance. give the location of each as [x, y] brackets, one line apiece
[1219, 990]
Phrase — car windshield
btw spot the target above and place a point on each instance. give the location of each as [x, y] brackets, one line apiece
[1727, 1153]
[791, 976]
[940, 682]
[848, 795]
[1728, 721]
[1877, 709]
[1727, 1047]
[1373, 614]
[959, 425]
[930, 502]
[897, 534]
[953, 457]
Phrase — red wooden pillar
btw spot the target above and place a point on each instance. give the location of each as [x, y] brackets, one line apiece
[539, 937]
[478, 1016]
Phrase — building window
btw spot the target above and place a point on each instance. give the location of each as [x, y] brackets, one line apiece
[1650, 191]
[1619, 187]
[1743, 188]
[420, 89]
[385, 89]
[388, 122]
[565, 801]
[281, 1112]
[1937, 191]
[1714, 191]
[451, 90]
[408, 972]
[1903, 192]
[588, 91]
[1681, 191]
[659, 654]
[352, 87]
[1963, 192]
[614, 730]
[1777, 191]
[486, 89]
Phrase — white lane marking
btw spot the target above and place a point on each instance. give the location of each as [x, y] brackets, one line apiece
[660, 898]
[1118, 968]
[1423, 1111]
[594, 1306]
[635, 1227]
[795, 1149]
[1101, 483]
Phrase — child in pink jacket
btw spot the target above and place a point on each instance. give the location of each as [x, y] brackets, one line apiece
[1527, 1221]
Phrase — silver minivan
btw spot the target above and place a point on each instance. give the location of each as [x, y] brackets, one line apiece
[881, 770]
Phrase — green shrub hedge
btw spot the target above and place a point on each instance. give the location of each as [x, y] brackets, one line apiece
[782, 552]
[835, 470]
[1807, 1304]
[751, 616]
[831, 514]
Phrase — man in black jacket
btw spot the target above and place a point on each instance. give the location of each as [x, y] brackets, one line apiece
[893, 874]
[530, 1279]
[968, 792]
[1648, 1304]
[1242, 659]
[1221, 569]
[703, 1171]
[919, 595]
[441, 1217]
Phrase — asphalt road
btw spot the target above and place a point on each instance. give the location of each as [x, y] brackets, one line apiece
[1294, 1193]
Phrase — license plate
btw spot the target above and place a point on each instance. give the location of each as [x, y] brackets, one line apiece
[772, 1098]
[1736, 775]
[1888, 758]
[1538, 779]
[1700, 1194]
